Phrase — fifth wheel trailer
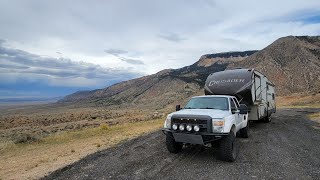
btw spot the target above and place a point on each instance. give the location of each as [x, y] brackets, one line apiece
[249, 86]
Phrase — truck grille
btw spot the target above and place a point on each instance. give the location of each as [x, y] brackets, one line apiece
[204, 124]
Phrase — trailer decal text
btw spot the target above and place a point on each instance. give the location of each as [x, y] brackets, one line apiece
[211, 83]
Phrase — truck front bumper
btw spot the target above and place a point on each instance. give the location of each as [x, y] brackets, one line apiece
[194, 138]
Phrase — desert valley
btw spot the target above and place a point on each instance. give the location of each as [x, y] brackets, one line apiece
[38, 139]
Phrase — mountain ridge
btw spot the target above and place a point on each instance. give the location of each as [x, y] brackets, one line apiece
[192, 77]
[279, 62]
[292, 63]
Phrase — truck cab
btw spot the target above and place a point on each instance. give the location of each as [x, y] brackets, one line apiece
[208, 119]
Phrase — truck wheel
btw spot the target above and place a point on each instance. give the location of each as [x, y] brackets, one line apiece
[244, 132]
[172, 145]
[228, 150]
[267, 119]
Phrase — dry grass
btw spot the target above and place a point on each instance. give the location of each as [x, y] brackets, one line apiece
[29, 127]
[316, 118]
[299, 101]
[34, 160]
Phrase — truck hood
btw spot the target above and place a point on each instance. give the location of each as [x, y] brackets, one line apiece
[213, 113]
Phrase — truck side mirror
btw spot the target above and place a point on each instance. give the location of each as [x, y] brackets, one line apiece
[243, 109]
[178, 107]
[233, 110]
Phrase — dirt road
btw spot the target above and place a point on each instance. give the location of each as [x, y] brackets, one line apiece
[286, 148]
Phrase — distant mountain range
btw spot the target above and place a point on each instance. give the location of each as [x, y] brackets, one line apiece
[29, 100]
[292, 63]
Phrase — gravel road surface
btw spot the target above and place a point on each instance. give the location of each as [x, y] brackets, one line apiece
[286, 148]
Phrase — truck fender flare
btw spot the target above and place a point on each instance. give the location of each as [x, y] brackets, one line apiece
[233, 129]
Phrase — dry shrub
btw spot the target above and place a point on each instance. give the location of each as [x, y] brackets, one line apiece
[104, 126]
[25, 138]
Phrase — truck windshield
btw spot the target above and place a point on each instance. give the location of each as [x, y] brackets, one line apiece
[208, 103]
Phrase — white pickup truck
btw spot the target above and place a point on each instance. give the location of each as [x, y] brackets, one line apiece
[208, 119]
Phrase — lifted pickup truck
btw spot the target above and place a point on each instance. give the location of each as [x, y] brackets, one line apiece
[208, 119]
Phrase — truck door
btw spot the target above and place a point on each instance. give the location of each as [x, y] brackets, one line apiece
[235, 111]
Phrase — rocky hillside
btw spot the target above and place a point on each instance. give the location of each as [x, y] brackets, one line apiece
[292, 63]
[162, 88]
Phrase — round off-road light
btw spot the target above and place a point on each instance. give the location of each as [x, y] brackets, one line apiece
[181, 127]
[189, 127]
[196, 128]
[174, 127]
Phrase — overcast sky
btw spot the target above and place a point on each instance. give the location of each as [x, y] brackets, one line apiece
[62, 46]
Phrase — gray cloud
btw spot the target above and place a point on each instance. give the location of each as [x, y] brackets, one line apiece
[119, 52]
[12, 66]
[2, 41]
[115, 52]
[172, 37]
[24, 64]
[192, 28]
[131, 61]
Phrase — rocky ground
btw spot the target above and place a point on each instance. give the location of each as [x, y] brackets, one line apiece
[286, 148]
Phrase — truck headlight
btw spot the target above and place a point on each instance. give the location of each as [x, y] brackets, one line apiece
[217, 125]
[167, 123]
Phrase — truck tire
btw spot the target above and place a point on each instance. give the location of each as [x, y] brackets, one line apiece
[228, 150]
[244, 132]
[267, 119]
[172, 145]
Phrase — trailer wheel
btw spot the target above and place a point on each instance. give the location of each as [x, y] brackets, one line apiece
[228, 150]
[172, 145]
[244, 132]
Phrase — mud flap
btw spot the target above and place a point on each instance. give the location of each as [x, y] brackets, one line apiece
[188, 138]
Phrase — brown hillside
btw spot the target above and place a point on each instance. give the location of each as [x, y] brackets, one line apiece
[162, 88]
[292, 63]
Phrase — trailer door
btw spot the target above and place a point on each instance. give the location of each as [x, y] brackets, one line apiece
[271, 99]
[257, 85]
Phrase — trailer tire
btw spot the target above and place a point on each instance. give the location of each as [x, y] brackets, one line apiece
[245, 132]
[172, 145]
[228, 150]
